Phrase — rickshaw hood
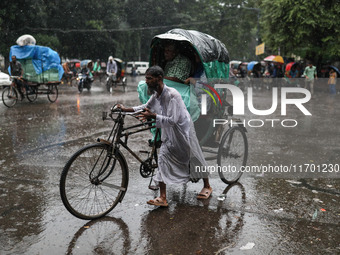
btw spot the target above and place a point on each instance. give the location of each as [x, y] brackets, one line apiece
[209, 48]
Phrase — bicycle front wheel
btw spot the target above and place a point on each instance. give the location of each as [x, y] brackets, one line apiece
[93, 181]
[232, 154]
[9, 96]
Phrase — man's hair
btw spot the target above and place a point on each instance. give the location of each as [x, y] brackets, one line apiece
[155, 71]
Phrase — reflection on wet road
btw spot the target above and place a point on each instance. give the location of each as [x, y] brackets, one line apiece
[268, 213]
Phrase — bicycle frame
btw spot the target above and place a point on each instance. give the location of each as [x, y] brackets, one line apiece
[119, 136]
[14, 85]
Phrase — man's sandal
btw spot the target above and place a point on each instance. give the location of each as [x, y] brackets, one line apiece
[158, 202]
[205, 193]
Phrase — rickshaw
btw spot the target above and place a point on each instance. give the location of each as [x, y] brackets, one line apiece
[42, 74]
[120, 78]
[213, 55]
[93, 191]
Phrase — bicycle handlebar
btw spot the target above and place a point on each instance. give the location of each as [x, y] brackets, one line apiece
[119, 111]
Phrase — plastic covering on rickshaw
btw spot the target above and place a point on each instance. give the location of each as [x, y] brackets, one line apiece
[40, 64]
[214, 58]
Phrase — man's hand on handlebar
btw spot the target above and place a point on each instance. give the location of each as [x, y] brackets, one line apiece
[146, 115]
[121, 108]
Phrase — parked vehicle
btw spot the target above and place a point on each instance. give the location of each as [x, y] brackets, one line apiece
[4, 79]
[140, 67]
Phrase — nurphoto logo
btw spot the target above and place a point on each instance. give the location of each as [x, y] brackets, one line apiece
[239, 104]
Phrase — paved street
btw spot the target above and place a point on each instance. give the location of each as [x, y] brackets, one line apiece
[278, 213]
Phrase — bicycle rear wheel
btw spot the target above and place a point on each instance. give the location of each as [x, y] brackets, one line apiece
[9, 96]
[93, 181]
[52, 93]
[32, 95]
[232, 154]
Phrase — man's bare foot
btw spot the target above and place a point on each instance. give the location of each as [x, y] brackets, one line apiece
[158, 201]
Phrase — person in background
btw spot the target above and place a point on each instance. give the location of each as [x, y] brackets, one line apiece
[67, 72]
[310, 76]
[332, 81]
[293, 72]
[16, 70]
[97, 68]
[111, 68]
[87, 70]
[177, 67]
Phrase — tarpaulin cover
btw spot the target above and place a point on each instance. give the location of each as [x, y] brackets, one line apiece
[42, 58]
[209, 48]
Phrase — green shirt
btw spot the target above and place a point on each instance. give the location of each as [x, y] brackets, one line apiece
[179, 67]
[96, 67]
[310, 72]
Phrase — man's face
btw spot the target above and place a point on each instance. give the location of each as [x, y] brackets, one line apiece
[170, 52]
[14, 59]
[152, 83]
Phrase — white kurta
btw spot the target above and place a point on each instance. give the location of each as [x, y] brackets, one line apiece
[178, 137]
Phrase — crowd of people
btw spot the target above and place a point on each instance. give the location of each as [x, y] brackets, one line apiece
[97, 69]
[286, 74]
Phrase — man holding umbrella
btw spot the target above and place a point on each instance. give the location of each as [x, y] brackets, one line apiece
[332, 80]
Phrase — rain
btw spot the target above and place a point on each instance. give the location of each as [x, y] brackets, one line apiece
[287, 200]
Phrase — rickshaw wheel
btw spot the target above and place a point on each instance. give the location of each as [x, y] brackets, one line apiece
[9, 96]
[52, 93]
[32, 96]
[232, 154]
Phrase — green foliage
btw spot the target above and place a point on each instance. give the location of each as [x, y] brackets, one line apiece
[124, 28]
[306, 28]
[51, 41]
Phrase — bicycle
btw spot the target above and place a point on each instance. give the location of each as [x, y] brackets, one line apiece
[95, 179]
[30, 90]
[11, 93]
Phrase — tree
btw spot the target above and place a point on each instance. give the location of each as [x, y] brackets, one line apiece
[309, 29]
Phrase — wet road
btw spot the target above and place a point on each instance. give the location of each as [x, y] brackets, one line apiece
[265, 214]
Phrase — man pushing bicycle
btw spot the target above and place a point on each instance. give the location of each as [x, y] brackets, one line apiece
[179, 141]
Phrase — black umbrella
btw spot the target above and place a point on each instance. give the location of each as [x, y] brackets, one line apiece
[335, 69]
